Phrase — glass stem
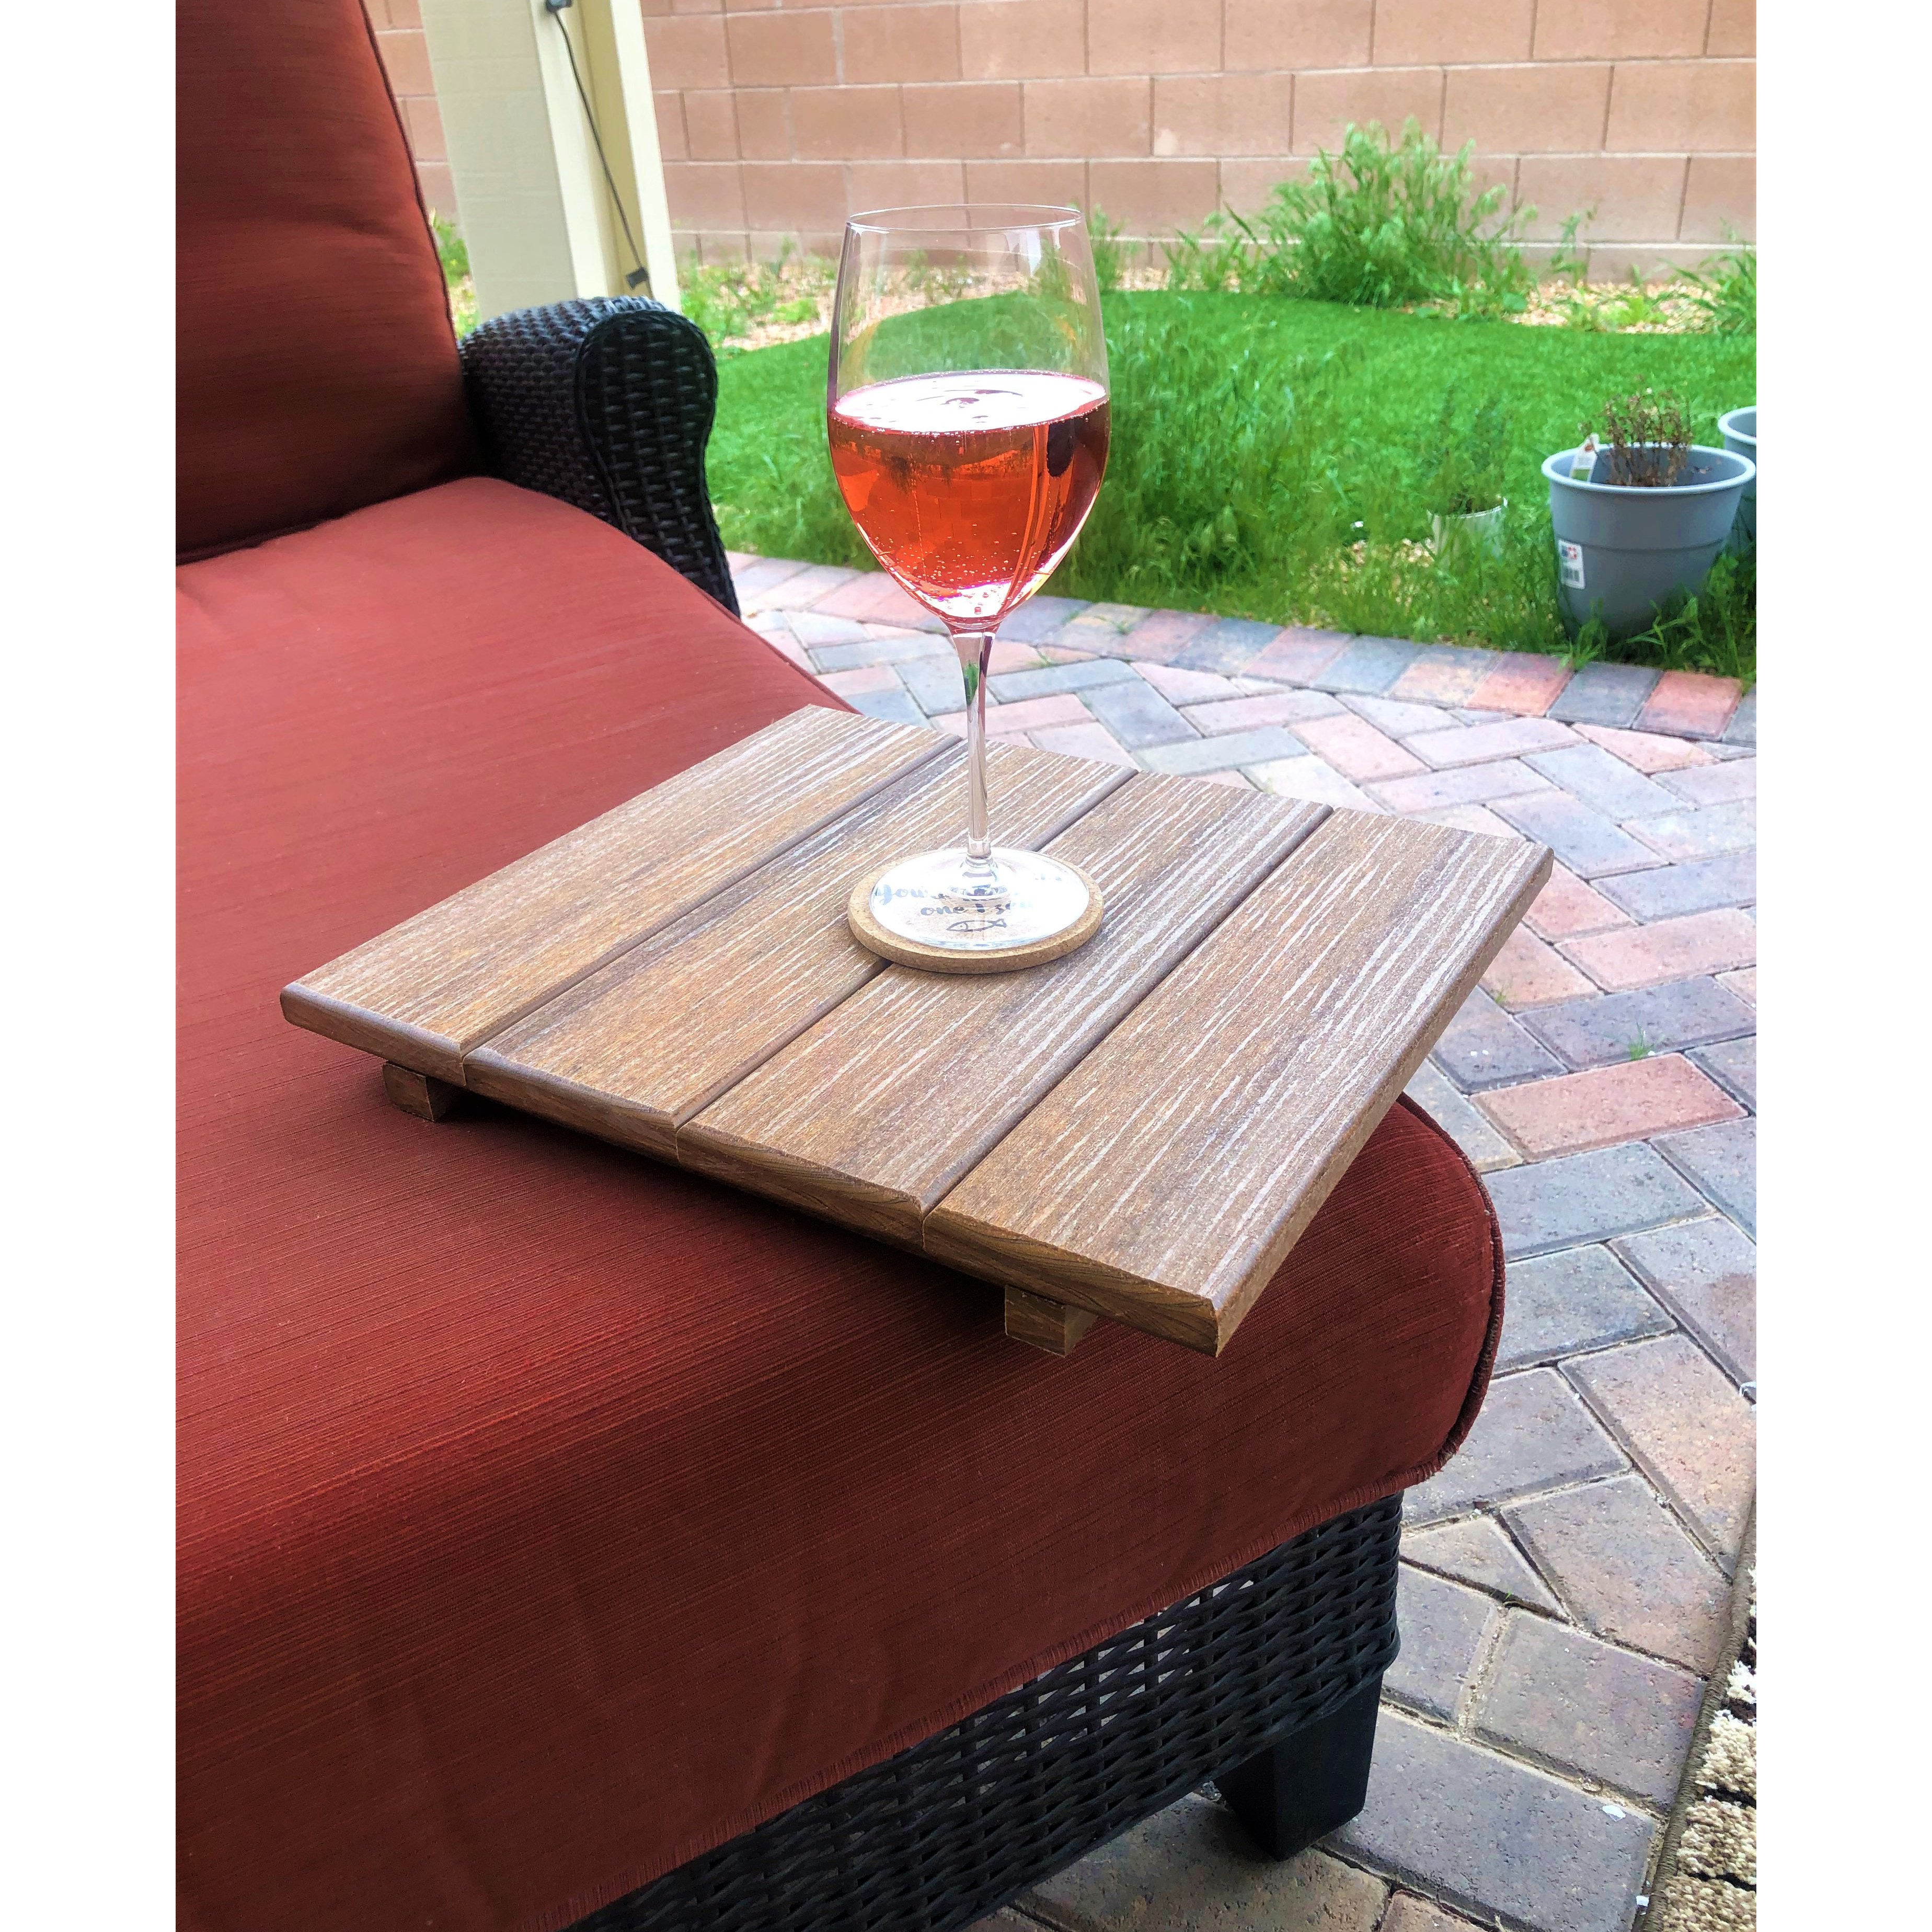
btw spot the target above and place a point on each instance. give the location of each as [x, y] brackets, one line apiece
[975, 651]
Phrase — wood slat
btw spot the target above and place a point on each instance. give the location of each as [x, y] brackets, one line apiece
[1165, 1179]
[426, 992]
[870, 1116]
[637, 1048]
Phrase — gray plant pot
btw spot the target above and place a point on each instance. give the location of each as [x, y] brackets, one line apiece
[1739, 427]
[1621, 551]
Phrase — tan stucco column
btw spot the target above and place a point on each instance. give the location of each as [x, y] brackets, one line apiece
[537, 211]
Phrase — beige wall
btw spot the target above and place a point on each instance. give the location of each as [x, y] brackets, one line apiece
[778, 121]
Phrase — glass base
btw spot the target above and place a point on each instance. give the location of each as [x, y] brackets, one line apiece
[1012, 901]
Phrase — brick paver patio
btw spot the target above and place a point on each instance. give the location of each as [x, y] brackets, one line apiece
[1566, 1579]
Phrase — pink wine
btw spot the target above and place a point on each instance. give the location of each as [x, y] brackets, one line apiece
[969, 488]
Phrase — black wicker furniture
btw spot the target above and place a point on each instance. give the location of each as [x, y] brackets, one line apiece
[562, 1533]
[607, 405]
[1266, 1683]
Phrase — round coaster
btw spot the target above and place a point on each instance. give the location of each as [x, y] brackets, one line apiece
[893, 946]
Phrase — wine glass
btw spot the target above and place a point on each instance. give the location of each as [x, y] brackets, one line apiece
[967, 411]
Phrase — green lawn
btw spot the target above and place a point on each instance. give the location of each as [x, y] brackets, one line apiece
[1265, 464]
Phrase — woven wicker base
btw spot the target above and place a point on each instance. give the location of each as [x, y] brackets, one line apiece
[936, 1838]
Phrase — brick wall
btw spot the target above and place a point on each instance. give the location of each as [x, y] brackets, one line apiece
[778, 121]
[399, 35]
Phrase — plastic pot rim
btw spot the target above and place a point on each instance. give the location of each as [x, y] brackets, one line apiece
[1565, 456]
[1749, 436]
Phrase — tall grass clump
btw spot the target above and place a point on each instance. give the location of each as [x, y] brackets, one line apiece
[1724, 289]
[1381, 224]
[1223, 465]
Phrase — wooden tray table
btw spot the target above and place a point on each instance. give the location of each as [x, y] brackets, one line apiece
[1140, 1130]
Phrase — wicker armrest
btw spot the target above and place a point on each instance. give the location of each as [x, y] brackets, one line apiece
[607, 404]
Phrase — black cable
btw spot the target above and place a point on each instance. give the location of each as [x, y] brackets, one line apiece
[640, 273]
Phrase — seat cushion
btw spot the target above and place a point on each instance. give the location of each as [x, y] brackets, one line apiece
[316, 368]
[547, 1515]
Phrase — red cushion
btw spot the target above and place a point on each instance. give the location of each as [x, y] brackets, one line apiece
[316, 369]
[548, 1515]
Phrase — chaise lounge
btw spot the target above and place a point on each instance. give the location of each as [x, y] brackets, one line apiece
[566, 1539]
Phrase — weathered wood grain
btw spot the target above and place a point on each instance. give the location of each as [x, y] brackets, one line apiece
[870, 1116]
[1042, 1323]
[421, 1094]
[1164, 1181]
[424, 993]
[637, 1048]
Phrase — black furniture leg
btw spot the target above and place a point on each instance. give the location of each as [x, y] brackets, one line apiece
[1313, 1781]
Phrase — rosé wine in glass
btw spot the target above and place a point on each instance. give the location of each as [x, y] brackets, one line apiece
[968, 416]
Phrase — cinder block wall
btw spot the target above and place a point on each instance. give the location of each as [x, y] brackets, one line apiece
[779, 118]
[399, 35]
[777, 121]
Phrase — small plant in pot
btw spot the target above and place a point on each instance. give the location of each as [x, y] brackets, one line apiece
[1640, 512]
[1462, 475]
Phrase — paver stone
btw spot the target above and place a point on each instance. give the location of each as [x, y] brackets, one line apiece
[1612, 1027]
[1723, 1162]
[1705, 1272]
[1646, 752]
[1733, 1064]
[1408, 1912]
[1443, 1626]
[1476, 1551]
[1045, 683]
[1692, 704]
[1627, 1569]
[1626, 1101]
[1038, 620]
[1445, 674]
[1685, 1425]
[1581, 1705]
[1494, 1836]
[1192, 1868]
[1698, 885]
[1356, 748]
[1589, 1197]
[1532, 1434]
[1370, 665]
[1576, 1299]
[1699, 832]
[1527, 972]
[1139, 716]
[1716, 783]
[1310, 778]
[1229, 644]
[1603, 782]
[1589, 844]
[1605, 693]
[1566, 908]
[1211, 754]
[1298, 656]
[1672, 949]
[1483, 1046]
[1470, 784]
[1431, 1091]
[1525, 683]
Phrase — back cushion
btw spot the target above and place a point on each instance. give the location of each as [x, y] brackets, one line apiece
[317, 369]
